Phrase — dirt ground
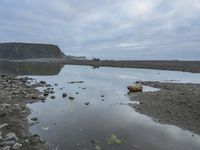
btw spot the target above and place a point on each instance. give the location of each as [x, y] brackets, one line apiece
[176, 103]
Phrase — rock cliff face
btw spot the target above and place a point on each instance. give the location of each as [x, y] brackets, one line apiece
[29, 51]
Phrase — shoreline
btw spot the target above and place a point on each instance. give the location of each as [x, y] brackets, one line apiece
[175, 104]
[15, 93]
[185, 66]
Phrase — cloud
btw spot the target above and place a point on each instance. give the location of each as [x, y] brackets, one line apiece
[118, 29]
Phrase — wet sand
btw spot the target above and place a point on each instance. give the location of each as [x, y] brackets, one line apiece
[176, 103]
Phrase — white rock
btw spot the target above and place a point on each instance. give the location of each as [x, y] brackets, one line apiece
[17, 146]
[11, 137]
[3, 125]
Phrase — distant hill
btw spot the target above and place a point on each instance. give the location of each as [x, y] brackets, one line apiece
[29, 51]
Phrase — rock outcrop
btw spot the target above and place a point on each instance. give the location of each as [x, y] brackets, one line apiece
[29, 51]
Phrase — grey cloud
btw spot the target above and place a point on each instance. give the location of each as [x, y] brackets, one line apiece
[118, 29]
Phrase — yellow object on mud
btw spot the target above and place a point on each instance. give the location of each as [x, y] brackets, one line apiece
[135, 88]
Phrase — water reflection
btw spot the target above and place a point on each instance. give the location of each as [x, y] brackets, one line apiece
[27, 68]
[67, 124]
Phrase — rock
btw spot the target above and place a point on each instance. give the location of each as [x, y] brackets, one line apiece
[77, 92]
[53, 97]
[135, 88]
[6, 148]
[34, 119]
[71, 98]
[87, 103]
[3, 75]
[17, 146]
[97, 147]
[64, 95]
[42, 98]
[11, 137]
[42, 82]
[43, 101]
[52, 92]
[33, 96]
[5, 105]
[8, 142]
[3, 125]
[102, 95]
[46, 94]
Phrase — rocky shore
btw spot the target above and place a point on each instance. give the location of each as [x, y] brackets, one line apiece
[175, 103]
[15, 93]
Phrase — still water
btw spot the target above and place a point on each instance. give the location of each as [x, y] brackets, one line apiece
[71, 125]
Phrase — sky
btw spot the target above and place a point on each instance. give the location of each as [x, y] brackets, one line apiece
[107, 29]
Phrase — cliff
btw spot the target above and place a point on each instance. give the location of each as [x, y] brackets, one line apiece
[29, 51]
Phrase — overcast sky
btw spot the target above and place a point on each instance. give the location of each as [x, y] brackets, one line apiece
[109, 29]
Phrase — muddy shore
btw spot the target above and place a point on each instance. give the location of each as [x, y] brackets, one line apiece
[15, 93]
[186, 66]
[176, 103]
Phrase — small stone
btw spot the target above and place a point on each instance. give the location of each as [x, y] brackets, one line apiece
[17, 146]
[77, 92]
[71, 98]
[33, 96]
[11, 137]
[87, 103]
[42, 82]
[97, 147]
[34, 119]
[52, 92]
[53, 97]
[46, 94]
[64, 95]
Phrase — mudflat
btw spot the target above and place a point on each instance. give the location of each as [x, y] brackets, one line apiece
[186, 66]
[175, 103]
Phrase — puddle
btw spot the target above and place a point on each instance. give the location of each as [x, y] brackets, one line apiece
[71, 124]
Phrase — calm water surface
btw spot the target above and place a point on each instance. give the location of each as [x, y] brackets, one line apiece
[71, 125]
